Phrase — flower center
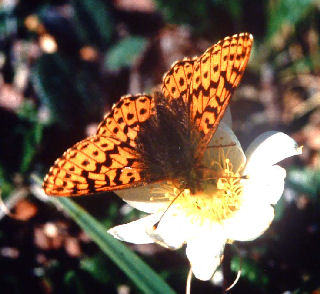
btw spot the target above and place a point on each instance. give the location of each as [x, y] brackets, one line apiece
[219, 200]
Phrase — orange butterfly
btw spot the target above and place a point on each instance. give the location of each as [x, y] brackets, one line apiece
[146, 139]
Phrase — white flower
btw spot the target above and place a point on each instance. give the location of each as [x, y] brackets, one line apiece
[235, 203]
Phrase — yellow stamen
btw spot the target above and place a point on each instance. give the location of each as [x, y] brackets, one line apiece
[219, 200]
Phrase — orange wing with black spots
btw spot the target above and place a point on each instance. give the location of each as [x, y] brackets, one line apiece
[106, 161]
[216, 74]
[206, 83]
[176, 82]
[125, 117]
[110, 160]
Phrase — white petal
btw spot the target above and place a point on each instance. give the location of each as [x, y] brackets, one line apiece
[173, 230]
[268, 149]
[224, 136]
[249, 222]
[140, 198]
[136, 231]
[205, 253]
[227, 118]
[265, 186]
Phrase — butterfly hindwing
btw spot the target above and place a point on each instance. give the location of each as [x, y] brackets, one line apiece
[106, 161]
[125, 117]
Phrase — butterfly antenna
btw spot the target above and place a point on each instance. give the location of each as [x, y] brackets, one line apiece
[238, 273]
[244, 177]
[188, 284]
[155, 226]
[222, 145]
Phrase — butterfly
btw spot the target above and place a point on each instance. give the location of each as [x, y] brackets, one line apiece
[161, 137]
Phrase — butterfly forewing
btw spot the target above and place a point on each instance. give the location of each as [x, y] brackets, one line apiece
[106, 161]
[206, 83]
[216, 74]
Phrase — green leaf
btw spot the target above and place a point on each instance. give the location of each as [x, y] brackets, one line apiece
[94, 22]
[97, 268]
[235, 8]
[204, 15]
[31, 136]
[31, 140]
[284, 14]
[250, 271]
[192, 10]
[73, 282]
[68, 88]
[124, 53]
[28, 111]
[5, 184]
[304, 181]
[138, 271]
[53, 81]
[279, 209]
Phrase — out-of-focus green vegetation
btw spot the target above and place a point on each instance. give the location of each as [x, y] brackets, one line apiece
[64, 63]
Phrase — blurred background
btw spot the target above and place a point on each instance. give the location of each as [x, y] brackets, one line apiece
[64, 63]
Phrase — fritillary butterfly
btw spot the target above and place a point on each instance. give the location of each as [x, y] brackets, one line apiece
[146, 139]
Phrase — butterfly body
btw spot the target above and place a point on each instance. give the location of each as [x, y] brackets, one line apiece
[166, 151]
[163, 137]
